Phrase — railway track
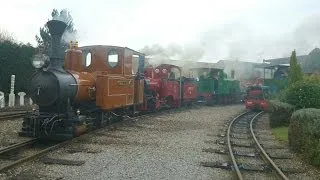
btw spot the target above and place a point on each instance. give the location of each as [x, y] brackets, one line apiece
[12, 114]
[17, 154]
[243, 125]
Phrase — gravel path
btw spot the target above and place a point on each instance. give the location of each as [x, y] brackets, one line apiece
[9, 132]
[294, 163]
[163, 147]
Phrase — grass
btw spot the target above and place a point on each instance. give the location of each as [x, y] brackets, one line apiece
[281, 134]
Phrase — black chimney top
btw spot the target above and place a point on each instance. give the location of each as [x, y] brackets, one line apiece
[56, 29]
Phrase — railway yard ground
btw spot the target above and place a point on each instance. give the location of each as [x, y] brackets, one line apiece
[9, 132]
[171, 145]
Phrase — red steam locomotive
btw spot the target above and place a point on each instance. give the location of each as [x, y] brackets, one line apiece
[257, 98]
[166, 90]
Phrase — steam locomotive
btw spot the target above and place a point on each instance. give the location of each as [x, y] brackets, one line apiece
[85, 88]
[257, 98]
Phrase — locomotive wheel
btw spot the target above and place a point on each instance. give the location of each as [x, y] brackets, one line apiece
[169, 101]
[151, 104]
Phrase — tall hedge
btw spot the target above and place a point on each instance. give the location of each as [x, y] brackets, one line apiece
[304, 134]
[303, 94]
[15, 59]
[279, 113]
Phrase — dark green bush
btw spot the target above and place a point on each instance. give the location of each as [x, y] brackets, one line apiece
[15, 59]
[303, 94]
[304, 134]
[279, 113]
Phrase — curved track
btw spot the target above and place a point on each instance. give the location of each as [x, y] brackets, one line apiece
[263, 153]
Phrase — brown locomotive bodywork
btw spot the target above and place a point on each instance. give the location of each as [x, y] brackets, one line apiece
[110, 82]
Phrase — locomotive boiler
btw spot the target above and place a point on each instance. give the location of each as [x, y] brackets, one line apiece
[82, 88]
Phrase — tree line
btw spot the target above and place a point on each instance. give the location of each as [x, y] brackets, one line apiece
[15, 58]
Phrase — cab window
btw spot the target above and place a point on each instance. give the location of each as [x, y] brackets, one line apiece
[113, 58]
[135, 64]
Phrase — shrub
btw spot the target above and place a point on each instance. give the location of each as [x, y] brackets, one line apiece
[303, 94]
[15, 59]
[304, 134]
[279, 113]
[314, 78]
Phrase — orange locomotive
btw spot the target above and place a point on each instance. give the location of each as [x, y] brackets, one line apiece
[88, 87]
[110, 76]
[83, 88]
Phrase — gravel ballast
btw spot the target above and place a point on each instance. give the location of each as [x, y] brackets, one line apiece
[9, 132]
[299, 169]
[162, 147]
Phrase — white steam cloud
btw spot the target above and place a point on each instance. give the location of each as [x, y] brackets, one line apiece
[70, 34]
[238, 41]
[185, 56]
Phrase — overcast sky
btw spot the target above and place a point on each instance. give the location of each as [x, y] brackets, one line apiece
[248, 30]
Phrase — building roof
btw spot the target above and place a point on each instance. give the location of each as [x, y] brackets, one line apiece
[307, 62]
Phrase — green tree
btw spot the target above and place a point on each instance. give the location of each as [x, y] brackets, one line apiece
[15, 59]
[314, 62]
[6, 36]
[295, 73]
[44, 38]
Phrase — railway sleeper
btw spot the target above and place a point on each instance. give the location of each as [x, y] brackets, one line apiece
[229, 166]
[225, 151]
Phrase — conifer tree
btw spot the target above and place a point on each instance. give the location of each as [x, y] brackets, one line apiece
[44, 40]
[295, 73]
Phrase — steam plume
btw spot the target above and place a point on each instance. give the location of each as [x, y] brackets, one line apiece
[70, 34]
[185, 56]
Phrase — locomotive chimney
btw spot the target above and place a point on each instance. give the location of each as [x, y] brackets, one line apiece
[56, 29]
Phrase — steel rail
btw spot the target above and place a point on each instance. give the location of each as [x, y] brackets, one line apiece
[282, 175]
[12, 115]
[17, 146]
[33, 156]
[56, 146]
[229, 146]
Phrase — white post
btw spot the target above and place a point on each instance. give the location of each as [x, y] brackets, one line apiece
[30, 101]
[21, 94]
[12, 95]
[2, 100]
